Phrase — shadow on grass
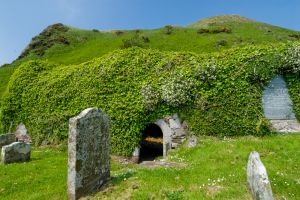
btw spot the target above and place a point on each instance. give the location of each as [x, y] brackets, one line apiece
[113, 181]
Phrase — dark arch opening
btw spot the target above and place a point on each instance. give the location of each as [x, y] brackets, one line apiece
[152, 143]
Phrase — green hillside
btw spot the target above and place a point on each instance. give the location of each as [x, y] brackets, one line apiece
[67, 45]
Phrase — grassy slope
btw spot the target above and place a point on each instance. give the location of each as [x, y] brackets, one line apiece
[86, 44]
[212, 160]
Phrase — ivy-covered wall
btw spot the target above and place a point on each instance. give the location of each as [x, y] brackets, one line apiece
[218, 94]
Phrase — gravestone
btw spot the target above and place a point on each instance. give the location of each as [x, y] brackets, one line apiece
[276, 101]
[278, 107]
[257, 177]
[22, 134]
[15, 152]
[88, 151]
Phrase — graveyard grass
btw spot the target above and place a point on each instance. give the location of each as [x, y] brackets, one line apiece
[215, 169]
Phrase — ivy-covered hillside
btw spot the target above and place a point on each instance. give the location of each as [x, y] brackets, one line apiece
[217, 94]
[67, 45]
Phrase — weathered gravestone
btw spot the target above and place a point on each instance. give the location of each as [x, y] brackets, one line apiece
[258, 182]
[22, 134]
[15, 152]
[278, 107]
[88, 151]
[6, 139]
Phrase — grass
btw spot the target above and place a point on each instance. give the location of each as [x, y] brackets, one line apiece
[216, 169]
[5, 73]
[88, 44]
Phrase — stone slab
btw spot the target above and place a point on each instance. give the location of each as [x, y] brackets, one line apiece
[88, 152]
[15, 152]
[257, 177]
[277, 104]
[286, 126]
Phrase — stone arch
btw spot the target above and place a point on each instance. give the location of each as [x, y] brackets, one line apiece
[173, 133]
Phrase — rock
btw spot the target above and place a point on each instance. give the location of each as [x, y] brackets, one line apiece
[22, 134]
[192, 141]
[136, 155]
[15, 152]
[258, 182]
[88, 152]
[6, 139]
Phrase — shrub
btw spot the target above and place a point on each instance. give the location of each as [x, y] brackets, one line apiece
[177, 90]
[168, 29]
[151, 97]
[119, 32]
[134, 41]
[95, 30]
[222, 43]
[202, 30]
[292, 59]
[52, 35]
[207, 73]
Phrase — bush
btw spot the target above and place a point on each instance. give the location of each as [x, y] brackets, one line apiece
[177, 90]
[52, 35]
[151, 97]
[214, 93]
[202, 30]
[292, 59]
[168, 29]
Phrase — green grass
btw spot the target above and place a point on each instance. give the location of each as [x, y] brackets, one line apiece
[87, 44]
[216, 169]
[5, 73]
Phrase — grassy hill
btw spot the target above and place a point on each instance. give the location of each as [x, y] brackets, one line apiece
[67, 45]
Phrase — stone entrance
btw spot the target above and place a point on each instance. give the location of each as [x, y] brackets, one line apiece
[168, 133]
[152, 143]
[278, 107]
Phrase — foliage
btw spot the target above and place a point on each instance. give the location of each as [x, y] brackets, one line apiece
[292, 59]
[151, 97]
[215, 93]
[52, 35]
[168, 29]
[177, 90]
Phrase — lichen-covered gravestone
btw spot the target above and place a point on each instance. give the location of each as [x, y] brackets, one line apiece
[15, 152]
[88, 151]
[258, 181]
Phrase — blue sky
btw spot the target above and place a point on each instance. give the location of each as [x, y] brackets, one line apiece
[20, 20]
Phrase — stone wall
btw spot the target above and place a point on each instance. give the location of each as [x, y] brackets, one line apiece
[89, 152]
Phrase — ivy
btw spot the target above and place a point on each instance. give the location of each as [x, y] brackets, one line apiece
[218, 94]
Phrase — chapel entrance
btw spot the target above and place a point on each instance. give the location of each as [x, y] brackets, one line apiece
[152, 143]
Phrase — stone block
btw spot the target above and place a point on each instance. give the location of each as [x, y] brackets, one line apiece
[258, 181]
[22, 134]
[15, 152]
[88, 152]
[7, 139]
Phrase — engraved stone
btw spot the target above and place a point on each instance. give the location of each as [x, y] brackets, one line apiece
[88, 151]
[277, 104]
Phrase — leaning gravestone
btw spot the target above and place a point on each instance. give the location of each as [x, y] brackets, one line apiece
[15, 152]
[258, 182]
[88, 151]
[278, 107]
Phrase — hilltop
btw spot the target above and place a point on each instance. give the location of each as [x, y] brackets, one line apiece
[59, 43]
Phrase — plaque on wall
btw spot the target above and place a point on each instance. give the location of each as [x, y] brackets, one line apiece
[277, 104]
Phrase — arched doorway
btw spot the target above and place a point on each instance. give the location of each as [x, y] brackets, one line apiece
[152, 143]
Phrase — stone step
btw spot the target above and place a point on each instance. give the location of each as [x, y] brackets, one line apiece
[286, 126]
